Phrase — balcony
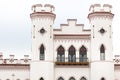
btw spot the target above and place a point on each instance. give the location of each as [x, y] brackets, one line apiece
[74, 61]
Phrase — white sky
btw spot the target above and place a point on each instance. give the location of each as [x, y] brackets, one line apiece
[15, 23]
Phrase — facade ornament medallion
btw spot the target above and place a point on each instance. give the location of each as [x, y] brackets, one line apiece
[42, 30]
[102, 31]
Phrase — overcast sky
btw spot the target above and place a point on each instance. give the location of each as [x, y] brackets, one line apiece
[15, 23]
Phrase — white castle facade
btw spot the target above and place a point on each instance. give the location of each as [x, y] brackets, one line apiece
[68, 53]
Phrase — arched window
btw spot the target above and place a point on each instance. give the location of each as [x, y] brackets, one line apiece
[83, 54]
[83, 78]
[102, 52]
[102, 78]
[60, 78]
[41, 78]
[42, 52]
[102, 49]
[72, 54]
[72, 78]
[60, 54]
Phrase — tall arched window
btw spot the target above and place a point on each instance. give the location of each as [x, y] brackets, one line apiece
[83, 54]
[41, 78]
[72, 54]
[42, 52]
[72, 78]
[60, 54]
[60, 78]
[102, 52]
[83, 78]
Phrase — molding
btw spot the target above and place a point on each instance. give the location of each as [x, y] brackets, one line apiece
[116, 64]
[14, 64]
[57, 30]
[101, 61]
[97, 14]
[37, 14]
[86, 29]
[72, 36]
[71, 19]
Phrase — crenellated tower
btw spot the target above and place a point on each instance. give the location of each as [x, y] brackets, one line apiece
[42, 66]
[102, 66]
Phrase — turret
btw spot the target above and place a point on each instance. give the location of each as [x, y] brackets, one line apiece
[42, 30]
[100, 17]
[42, 41]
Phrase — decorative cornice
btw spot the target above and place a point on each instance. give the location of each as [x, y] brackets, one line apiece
[72, 36]
[37, 14]
[116, 64]
[71, 19]
[57, 30]
[94, 14]
[14, 64]
[86, 29]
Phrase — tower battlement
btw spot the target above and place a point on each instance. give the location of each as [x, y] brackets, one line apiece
[43, 8]
[100, 8]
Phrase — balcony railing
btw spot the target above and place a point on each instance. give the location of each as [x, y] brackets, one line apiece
[72, 61]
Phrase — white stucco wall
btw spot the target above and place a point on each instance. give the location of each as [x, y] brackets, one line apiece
[20, 72]
[72, 71]
[117, 72]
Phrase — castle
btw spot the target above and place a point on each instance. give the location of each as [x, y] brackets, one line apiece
[68, 53]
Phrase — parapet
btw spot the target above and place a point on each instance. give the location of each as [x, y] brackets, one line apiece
[100, 8]
[116, 59]
[12, 60]
[43, 8]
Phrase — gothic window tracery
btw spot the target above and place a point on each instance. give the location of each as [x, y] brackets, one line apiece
[60, 54]
[72, 54]
[83, 54]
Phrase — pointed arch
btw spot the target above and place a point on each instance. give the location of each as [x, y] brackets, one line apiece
[83, 78]
[102, 78]
[71, 78]
[72, 54]
[60, 78]
[60, 54]
[83, 54]
[42, 52]
[102, 49]
[41, 78]
[102, 52]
